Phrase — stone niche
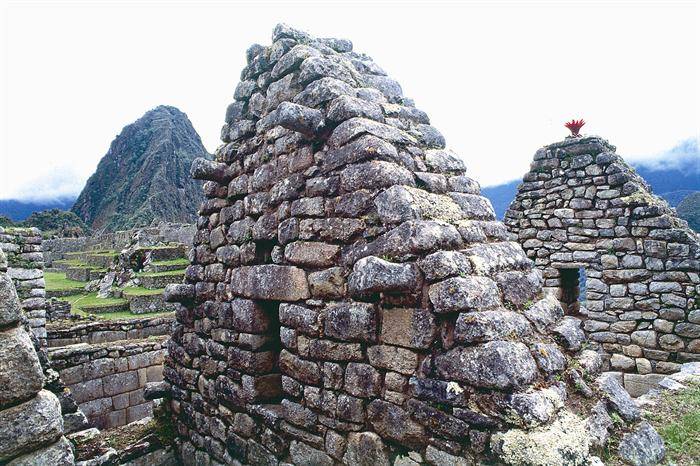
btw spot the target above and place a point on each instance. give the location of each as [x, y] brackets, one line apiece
[351, 297]
[581, 208]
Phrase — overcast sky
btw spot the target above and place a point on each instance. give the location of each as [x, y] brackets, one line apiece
[498, 79]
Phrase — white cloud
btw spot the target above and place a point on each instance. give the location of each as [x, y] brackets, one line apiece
[498, 79]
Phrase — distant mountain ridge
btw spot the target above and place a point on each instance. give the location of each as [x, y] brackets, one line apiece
[145, 175]
[674, 177]
[18, 210]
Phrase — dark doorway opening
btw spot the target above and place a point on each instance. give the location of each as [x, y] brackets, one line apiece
[573, 289]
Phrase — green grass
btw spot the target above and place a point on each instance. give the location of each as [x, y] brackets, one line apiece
[677, 419]
[166, 246]
[57, 281]
[181, 261]
[161, 274]
[78, 301]
[139, 291]
[91, 299]
[103, 253]
[71, 262]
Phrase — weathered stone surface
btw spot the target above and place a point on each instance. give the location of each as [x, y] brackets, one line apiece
[549, 358]
[351, 322]
[412, 328]
[599, 424]
[304, 455]
[10, 310]
[310, 253]
[464, 294]
[563, 442]
[357, 126]
[20, 372]
[443, 264]
[617, 398]
[570, 333]
[496, 364]
[29, 425]
[274, 282]
[362, 380]
[401, 203]
[643, 447]
[57, 454]
[366, 449]
[473, 327]
[372, 274]
[393, 358]
[394, 423]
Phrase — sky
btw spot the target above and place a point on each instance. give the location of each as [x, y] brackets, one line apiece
[497, 78]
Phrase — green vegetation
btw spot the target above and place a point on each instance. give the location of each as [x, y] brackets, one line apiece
[184, 262]
[689, 209]
[56, 281]
[139, 291]
[89, 300]
[6, 222]
[56, 222]
[161, 274]
[677, 419]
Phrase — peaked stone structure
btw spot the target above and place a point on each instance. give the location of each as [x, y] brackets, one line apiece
[31, 426]
[616, 255]
[351, 297]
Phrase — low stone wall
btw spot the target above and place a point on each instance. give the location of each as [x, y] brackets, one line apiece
[107, 380]
[25, 267]
[55, 249]
[105, 331]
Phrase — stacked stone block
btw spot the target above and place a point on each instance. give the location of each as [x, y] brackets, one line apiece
[22, 247]
[581, 205]
[105, 331]
[31, 426]
[351, 297]
[108, 380]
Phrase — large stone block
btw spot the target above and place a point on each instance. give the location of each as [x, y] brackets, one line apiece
[20, 372]
[29, 425]
[270, 282]
[412, 328]
[460, 294]
[351, 322]
[497, 364]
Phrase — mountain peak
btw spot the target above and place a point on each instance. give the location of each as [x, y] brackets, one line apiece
[145, 174]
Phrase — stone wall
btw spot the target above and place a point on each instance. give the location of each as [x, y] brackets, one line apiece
[351, 297]
[582, 206]
[105, 331]
[107, 381]
[25, 266]
[31, 426]
[55, 249]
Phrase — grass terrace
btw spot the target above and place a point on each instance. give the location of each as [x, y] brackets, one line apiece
[57, 281]
[90, 300]
[139, 291]
[161, 274]
[183, 262]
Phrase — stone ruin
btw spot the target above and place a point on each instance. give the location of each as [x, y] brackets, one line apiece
[352, 299]
[615, 255]
[31, 425]
[23, 249]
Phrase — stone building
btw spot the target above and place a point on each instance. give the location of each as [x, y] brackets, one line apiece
[351, 297]
[616, 256]
[31, 426]
[23, 248]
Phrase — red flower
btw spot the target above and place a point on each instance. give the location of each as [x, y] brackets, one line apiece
[575, 126]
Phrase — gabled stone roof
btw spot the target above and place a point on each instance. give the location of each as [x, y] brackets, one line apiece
[582, 205]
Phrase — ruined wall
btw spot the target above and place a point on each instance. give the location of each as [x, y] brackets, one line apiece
[350, 296]
[105, 331]
[31, 426]
[25, 266]
[107, 381]
[581, 205]
[55, 249]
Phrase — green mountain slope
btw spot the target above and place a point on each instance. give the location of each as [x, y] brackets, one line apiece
[689, 210]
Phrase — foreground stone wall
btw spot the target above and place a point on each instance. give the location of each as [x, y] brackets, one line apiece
[105, 331]
[107, 381]
[55, 249]
[582, 206]
[351, 297]
[31, 426]
[26, 268]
